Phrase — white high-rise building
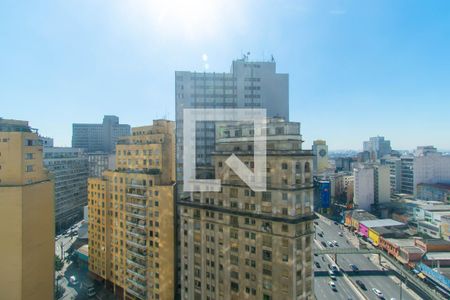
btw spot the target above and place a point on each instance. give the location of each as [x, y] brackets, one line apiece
[371, 185]
[430, 166]
[363, 187]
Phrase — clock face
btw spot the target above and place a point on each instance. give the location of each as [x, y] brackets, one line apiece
[322, 152]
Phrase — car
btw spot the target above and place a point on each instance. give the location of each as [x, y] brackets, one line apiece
[332, 285]
[334, 268]
[315, 222]
[340, 233]
[377, 292]
[73, 280]
[91, 292]
[335, 243]
[332, 274]
[323, 244]
[336, 223]
[317, 264]
[361, 285]
[330, 244]
[315, 254]
[354, 267]
[320, 234]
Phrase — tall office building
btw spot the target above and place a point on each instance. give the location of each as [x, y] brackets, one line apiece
[407, 174]
[26, 215]
[377, 147]
[241, 244]
[99, 137]
[320, 151]
[395, 165]
[69, 168]
[247, 85]
[131, 216]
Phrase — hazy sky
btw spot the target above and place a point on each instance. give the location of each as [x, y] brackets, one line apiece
[357, 68]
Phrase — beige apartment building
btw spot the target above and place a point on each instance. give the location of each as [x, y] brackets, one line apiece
[241, 244]
[26, 215]
[131, 215]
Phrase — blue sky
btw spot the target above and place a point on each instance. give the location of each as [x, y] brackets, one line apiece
[357, 68]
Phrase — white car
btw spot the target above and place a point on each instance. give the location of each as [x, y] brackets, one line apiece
[378, 293]
[332, 285]
[330, 244]
[73, 280]
[340, 233]
[335, 243]
[332, 275]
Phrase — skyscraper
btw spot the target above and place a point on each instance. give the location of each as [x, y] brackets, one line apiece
[26, 215]
[131, 215]
[247, 85]
[377, 147]
[69, 167]
[99, 137]
[238, 243]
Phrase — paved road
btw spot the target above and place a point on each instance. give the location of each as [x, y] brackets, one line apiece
[370, 274]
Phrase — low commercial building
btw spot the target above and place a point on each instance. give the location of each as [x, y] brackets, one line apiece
[392, 245]
[364, 226]
[354, 217]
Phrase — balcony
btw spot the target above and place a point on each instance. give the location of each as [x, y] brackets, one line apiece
[139, 295]
[136, 234]
[137, 264]
[137, 186]
[137, 283]
[136, 205]
[137, 245]
[139, 224]
[136, 214]
[137, 253]
[136, 196]
[134, 273]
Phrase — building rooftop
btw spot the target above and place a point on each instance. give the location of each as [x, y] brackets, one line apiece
[9, 125]
[401, 242]
[360, 215]
[412, 249]
[381, 223]
[437, 255]
[436, 185]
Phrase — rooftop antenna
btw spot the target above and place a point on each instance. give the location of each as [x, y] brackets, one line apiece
[272, 58]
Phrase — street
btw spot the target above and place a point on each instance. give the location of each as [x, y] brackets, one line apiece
[369, 273]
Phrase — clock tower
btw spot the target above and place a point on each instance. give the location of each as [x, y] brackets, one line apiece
[320, 151]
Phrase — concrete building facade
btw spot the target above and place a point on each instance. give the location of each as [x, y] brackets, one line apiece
[100, 162]
[241, 244]
[69, 168]
[132, 216]
[99, 137]
[26, 215]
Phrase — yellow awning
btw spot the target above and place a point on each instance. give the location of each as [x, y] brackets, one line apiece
[421, 276]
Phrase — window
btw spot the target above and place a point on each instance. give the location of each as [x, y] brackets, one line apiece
[284, 166]
[284, 196]
[234, 286]
[29, 168]
[267, 255]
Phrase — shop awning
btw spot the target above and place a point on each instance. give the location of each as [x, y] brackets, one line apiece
[421, 276]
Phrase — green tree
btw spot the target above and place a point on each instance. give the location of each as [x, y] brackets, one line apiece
[58, 263]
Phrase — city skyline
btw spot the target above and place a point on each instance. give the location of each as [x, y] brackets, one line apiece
[387, 75]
